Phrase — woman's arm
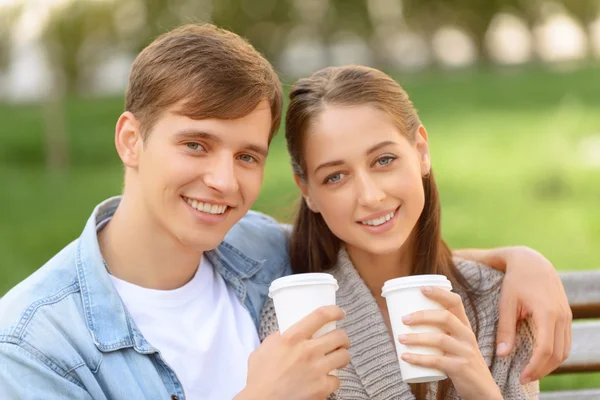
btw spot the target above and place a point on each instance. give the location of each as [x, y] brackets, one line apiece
[531, 288]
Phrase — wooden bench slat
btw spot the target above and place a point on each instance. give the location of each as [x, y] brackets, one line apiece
[591, 394]
[585, 349]
[583, 292]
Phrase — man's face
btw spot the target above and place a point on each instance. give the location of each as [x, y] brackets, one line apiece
[198, 178]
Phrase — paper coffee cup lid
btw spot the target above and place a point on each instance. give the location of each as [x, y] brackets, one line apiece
[314, 278]
[415, 281]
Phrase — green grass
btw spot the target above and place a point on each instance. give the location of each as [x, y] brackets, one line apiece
[505, 147]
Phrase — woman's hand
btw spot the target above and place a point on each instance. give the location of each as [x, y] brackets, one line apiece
[462, 361]
[530, 288]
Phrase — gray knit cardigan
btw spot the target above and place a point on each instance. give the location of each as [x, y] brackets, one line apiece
[374, 372]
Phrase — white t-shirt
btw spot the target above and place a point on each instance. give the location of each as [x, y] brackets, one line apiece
[201, 329]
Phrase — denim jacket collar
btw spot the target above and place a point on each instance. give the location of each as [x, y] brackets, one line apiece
[107, 319]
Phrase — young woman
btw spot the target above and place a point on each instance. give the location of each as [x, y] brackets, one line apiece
[370, 212]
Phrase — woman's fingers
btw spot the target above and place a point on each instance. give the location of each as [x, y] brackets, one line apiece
[442, 319]
[441, 341]
[446, 364]
[449, 300]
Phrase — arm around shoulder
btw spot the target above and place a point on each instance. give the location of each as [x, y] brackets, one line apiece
[507, 370]
[27, 374]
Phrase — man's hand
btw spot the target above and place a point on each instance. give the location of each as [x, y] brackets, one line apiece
[294, 366]
[531, 288]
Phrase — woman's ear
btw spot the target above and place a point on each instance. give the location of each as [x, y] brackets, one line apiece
[304, 190]
[422, 146]
[128, 139]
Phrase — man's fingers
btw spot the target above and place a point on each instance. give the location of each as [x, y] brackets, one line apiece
[507, 324]
[555, 358]
[309, 325]
[568, 325]
[559, 348]
[336, 339]
[332, 383]
[544, 346]
[568, 333]
[337, 359]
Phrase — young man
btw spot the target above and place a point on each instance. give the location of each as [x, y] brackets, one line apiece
[160, 296]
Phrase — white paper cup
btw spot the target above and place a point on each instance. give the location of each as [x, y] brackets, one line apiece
[403, 296]
[296, 296]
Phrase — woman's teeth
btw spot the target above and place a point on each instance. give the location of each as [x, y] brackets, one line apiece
[379, 221]
[206, 207]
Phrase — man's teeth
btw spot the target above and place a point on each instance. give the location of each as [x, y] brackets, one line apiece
[206, 207]
[379, 221]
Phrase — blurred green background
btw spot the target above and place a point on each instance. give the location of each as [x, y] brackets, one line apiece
[515, 134]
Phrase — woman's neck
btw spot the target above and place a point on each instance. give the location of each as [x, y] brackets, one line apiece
[376, 269]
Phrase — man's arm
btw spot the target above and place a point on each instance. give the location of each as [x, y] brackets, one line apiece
[26, 375]
[531, 287]
[293, 365]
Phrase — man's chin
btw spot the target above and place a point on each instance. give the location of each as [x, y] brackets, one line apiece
[203, 243]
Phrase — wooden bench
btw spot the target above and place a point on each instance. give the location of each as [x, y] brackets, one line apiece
[583, 291]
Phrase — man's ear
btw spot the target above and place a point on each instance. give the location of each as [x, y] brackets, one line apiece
[128, 139]
[422, 146]
[304, 190]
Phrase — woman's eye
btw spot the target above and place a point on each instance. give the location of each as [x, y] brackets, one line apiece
[384, 161]
[334, 178]
[247, 158]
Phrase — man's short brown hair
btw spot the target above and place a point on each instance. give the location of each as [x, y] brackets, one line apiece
[209, 72]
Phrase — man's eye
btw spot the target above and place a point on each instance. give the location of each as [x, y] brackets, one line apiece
[194, 146]
[247, 158]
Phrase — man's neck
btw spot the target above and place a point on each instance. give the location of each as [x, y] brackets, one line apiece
[138, 250]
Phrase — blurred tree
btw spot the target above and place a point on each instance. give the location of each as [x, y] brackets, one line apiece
[4, 39]
[76, 38]
[8, 18]
[472, 15]
[586, 11]
[475, 16]
[264, 23]
[347, 16]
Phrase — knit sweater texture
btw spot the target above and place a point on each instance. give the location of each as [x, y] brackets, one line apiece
[374, 371]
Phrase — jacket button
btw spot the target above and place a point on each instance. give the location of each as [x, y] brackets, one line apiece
[174, 397]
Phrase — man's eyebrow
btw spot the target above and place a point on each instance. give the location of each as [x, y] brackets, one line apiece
[261, 150]
[200, 134]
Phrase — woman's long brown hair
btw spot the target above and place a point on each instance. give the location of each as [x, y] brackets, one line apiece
[314, 247]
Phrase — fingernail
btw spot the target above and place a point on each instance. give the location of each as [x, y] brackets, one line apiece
[406, 319]
[427, 289]
[525, 380]
[406, 356]
[501, 349]
[402, 338]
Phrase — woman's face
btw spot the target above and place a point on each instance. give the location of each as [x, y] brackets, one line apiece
[365, 177]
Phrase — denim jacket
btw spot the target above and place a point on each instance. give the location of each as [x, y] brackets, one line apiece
[65, 333]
